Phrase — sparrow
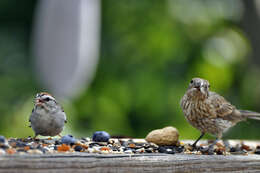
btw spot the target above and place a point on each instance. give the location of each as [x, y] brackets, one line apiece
[47, 117]
[209, 112]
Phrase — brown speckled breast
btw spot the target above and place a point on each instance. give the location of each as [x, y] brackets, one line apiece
[199, 113]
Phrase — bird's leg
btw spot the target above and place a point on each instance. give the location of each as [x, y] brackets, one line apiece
[194, 144]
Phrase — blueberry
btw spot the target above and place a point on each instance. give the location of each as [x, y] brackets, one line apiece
[100, 136]
[2, 139]
[68, 139]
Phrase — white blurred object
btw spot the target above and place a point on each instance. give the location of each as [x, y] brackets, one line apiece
[66, 44]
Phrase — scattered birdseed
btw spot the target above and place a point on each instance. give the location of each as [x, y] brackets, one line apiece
[104, 148]
[2, 152]
[10, 151]
[78, 148]
[70, 144]
[63, 148]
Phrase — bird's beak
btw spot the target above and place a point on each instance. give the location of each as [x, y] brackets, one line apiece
[198, 86]
[38, 102]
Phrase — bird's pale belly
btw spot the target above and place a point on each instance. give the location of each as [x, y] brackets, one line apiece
[46, 125]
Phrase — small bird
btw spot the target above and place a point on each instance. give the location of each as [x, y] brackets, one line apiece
[48, 117]
[209, 112]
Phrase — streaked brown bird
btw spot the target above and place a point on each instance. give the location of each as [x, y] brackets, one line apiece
[209, 112]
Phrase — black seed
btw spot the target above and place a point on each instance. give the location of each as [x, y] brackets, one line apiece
[20, 144]
[180, 149]
[114, 148]
[257, 151]
[57, 142]
[210, 152]
[233, 149]
[170, 152]
[149, 150]
[162, 149]
[78, 148]
[219, 152]
[4, 146]
[20, 150]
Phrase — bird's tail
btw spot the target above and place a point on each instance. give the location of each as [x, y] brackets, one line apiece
[250, 114]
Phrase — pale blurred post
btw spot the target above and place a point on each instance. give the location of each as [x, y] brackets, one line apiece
[66, 44]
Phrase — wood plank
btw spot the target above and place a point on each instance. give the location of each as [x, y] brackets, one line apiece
[85, 162]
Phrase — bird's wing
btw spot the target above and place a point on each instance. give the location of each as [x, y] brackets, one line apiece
[31, 115]
[31, 118]
[222, 108]
[65, 117]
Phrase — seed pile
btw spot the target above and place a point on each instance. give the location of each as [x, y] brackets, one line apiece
[68, 144]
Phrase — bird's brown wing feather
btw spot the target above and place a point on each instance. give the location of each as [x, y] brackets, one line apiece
[222, 108]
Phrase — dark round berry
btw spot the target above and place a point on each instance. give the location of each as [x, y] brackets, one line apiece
[100, 136]
[68, 139]
[2, 139]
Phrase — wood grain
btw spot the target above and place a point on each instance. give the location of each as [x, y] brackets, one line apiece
[84, 162]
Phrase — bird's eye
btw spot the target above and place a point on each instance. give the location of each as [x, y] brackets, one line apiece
[191, 81]
[47, 99]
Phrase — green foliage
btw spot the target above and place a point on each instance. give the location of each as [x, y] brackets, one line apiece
[16, 79]
[150, 50]
[149, 53]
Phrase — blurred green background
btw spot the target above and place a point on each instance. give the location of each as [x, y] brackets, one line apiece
[149, 52]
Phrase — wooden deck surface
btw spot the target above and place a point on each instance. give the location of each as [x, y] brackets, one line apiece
[85, 162]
